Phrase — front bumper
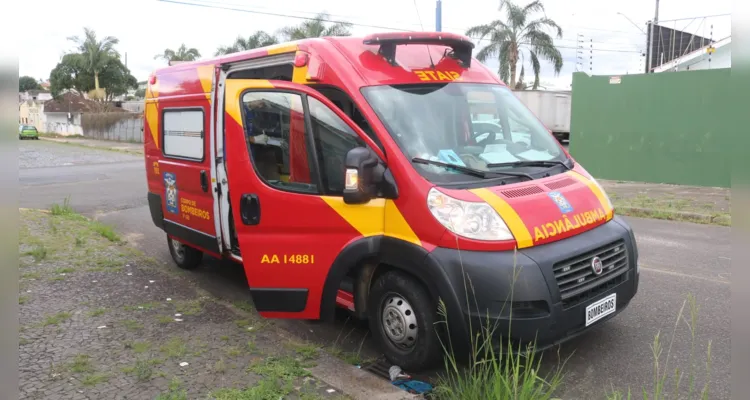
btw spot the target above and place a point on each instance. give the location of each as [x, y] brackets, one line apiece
[544, 290]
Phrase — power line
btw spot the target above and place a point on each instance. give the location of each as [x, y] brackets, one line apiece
[340, 21]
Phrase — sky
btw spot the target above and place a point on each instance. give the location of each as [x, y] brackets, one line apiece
[612, 44]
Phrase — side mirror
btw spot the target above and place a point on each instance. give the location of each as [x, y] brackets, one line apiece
[360, 184]
[366, 177]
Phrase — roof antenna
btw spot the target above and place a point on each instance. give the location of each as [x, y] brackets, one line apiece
[429, 53]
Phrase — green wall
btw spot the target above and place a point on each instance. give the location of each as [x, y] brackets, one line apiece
[669, 127]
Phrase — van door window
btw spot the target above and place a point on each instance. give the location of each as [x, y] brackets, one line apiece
[275, 135]
[333, 139]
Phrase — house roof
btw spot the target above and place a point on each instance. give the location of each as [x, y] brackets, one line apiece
[694, 54]
[74, 102]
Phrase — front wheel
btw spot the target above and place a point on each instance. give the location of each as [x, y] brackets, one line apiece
[184, 256]
[402, 318]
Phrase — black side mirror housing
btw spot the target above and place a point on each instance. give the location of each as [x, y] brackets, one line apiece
[365, 175]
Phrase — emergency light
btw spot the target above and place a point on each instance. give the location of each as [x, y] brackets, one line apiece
[460, 45]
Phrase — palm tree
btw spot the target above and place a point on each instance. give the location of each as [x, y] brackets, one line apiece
[182, 54]
[316, 27]
[257, 39]
[96, 53]
[509, 38]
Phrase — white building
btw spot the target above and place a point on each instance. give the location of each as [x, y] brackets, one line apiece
[707, 57]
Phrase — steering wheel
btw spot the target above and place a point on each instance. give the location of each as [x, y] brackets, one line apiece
[488, 129]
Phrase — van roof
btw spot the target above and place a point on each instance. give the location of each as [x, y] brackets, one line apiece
[364, 64]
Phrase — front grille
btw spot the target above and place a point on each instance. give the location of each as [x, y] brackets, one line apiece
[577, 281]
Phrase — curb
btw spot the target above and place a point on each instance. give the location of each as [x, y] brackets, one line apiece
[72, 142]
[355, 382]
[675, 215]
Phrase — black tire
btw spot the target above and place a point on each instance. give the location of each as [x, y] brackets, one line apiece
[184, 256]
[405, 297]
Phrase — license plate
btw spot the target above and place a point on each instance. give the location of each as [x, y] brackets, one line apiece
[601, 309]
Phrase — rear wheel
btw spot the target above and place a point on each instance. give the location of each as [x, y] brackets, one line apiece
[402, 318]
[184, 256]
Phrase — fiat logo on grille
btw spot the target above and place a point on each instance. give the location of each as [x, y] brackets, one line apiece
[596, 265]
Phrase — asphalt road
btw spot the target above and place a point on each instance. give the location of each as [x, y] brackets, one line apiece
[677, 259]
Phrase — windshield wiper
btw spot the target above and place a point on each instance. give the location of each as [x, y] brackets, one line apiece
[540, 163]
[470, 171]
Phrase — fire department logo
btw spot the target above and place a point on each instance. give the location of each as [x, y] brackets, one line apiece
[170, 186]
[561, 201]
[597, 266]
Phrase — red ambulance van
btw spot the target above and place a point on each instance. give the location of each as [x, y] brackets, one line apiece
[385, 175]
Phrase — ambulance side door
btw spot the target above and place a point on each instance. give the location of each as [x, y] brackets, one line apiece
[289, 214]
[185, 169]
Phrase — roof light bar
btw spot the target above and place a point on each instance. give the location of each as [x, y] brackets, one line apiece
[460, 45]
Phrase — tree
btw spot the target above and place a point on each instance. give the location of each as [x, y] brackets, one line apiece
[26, 83]
[182, 54]
[71, 73]
[257, 39]
[316, 27]
[96, 53]
[509, 38]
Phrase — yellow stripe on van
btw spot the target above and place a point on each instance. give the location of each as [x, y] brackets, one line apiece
[206, 74]
[282, 48]
[509, 215]
[152, 120]
[396, 225]
[594, 189]
[365, 218]
[234, 88]
[377, 217]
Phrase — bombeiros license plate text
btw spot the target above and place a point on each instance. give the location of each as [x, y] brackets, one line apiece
[600, 309]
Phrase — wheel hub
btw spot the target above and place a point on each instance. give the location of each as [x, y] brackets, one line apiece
[179, 250]
[399, 321]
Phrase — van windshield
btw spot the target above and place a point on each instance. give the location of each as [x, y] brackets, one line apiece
[480, 126]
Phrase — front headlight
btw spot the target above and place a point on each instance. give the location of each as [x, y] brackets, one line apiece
[468, 219]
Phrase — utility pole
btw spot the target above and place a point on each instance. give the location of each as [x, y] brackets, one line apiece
[439, 16]
[651, 37]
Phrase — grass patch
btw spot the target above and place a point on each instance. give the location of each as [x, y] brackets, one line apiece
[174, 348]
[138, 347]
[142, 370]
[38, 252]
[284, 368]
[164, 319]
[220, 366]
[106, 232]
[132, 325]
[306, 350]
[81, 364]
[62, 210]
[174, 392]
[31, 275]
[97, 312]
[244, 305]
[265, 389]
[232, 351]
[94, 379]
[22, 299]
[57, 318]
[189, 307]
[66, 270]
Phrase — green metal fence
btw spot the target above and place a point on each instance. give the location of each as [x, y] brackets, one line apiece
[667, 127]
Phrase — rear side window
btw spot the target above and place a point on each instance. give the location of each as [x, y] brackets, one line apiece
[183, 133]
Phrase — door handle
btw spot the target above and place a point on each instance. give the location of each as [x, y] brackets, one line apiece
[250, 209]
[204, 180]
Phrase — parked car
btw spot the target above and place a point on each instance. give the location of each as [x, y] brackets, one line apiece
[28, 132]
